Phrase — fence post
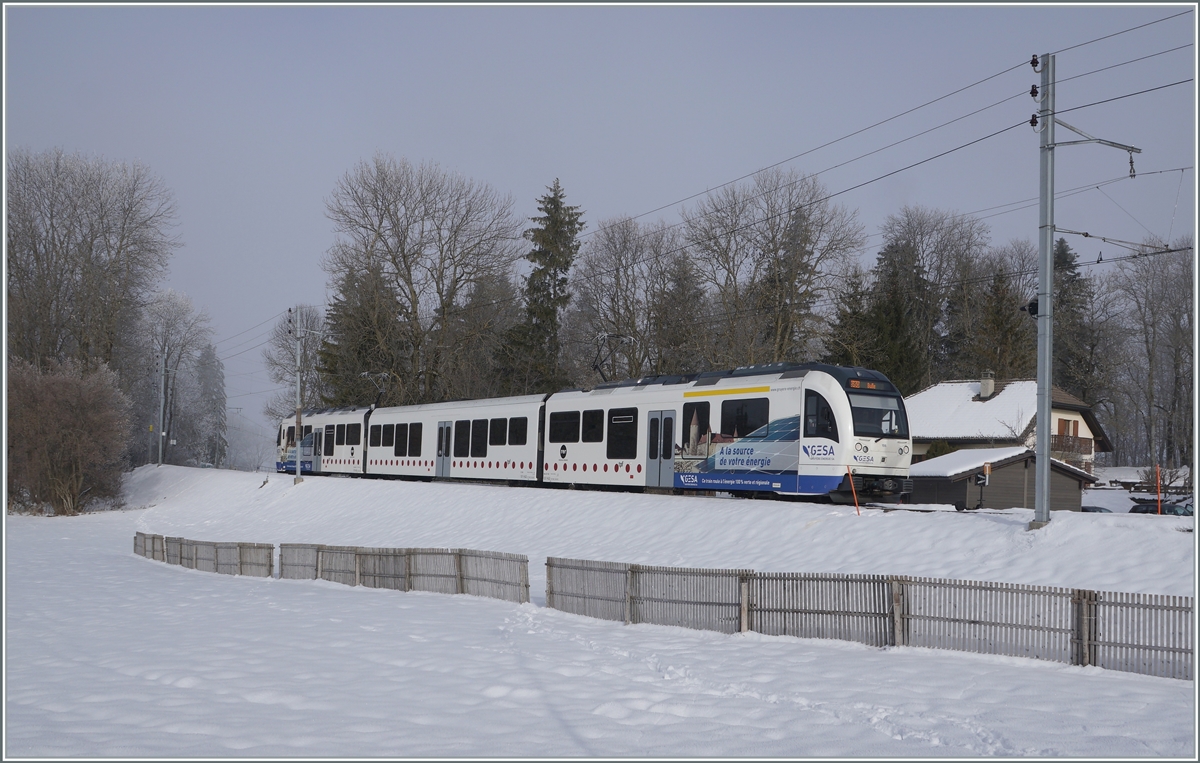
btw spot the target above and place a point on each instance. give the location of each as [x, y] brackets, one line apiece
[407, 571]
[357, 568]
[319, 560]
[1083, 622]
[629, 594]
[458, 573]
[744, 601]
[898, 621]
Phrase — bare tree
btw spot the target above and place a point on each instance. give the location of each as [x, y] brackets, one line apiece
[434, 236]
[1156, 385]
[306, 322]
[87, 241]
[765, 252]
[177, 332]
[620, 269]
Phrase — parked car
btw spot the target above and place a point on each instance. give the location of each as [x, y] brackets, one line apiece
[1174, 509]
[1096, 509]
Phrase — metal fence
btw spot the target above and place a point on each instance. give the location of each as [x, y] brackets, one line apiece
[1138, 633]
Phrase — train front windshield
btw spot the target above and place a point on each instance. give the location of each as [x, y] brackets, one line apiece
[878, 416]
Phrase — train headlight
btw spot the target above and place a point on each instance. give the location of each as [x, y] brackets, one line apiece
[858, 446]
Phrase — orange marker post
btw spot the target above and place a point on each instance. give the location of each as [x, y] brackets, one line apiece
[852, 490]
[1158, 479]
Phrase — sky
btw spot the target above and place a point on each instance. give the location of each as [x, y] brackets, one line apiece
[251, 114]
[110, 655]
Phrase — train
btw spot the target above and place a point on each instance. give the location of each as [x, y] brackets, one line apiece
[806, 431]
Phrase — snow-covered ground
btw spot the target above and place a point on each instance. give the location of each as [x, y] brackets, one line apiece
[112, 655]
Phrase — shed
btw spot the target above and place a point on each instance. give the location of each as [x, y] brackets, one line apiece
[950, 479]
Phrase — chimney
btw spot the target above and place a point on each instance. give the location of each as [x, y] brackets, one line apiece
[987, 385]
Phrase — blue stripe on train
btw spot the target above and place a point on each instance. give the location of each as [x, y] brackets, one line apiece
[785, 483]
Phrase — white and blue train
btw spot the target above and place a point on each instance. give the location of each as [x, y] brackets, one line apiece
[811, 430]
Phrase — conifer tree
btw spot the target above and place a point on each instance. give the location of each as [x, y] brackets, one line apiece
[1073, 293]
[901, 306]
[530, 356]
[851, 340]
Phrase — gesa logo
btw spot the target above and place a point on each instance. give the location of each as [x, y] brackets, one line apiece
[689, 479]
[818, 451]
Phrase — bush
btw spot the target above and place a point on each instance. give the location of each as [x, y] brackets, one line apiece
[67, 435]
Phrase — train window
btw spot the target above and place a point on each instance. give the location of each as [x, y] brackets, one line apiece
[498, 432]
[622, 433]
[401, 447]
[593, 426]
[307, 430]
[745, 418]
[279, 436]
[414, 440]
[517, 429]
[329, 440]
[652, 440]
[291, 435]
[878, 416]
[564, 426]
[340, 438]
[695, 426]
[819, 420]
[389, 435]
[668, 438]
[353, 434]
[375, 433]
[462, 439]
[479, 438]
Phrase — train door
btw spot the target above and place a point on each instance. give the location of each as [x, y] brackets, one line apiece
[660, 449]
[442, 467]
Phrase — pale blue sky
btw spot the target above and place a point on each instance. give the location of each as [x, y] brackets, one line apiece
[251, 114]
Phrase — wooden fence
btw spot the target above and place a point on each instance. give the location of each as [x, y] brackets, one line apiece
[253, 559]
[438, 570]
[1138, 633]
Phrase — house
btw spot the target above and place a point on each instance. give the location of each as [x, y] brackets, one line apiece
[1011, 483]
[989, 414]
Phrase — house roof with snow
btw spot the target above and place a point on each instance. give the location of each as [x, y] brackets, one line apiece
[953, 410]
[963, 463]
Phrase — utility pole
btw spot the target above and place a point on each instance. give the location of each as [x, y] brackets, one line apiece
[294, 329]
[1045, 297]
[162, 404]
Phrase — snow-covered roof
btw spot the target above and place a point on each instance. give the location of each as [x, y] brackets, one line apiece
[961, 461]
[952, 410]
[970, 459]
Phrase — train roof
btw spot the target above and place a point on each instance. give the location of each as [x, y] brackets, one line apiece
[785, 370]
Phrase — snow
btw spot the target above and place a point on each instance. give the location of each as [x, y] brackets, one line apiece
[113, 655]
[962, 461]
[947, 411]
